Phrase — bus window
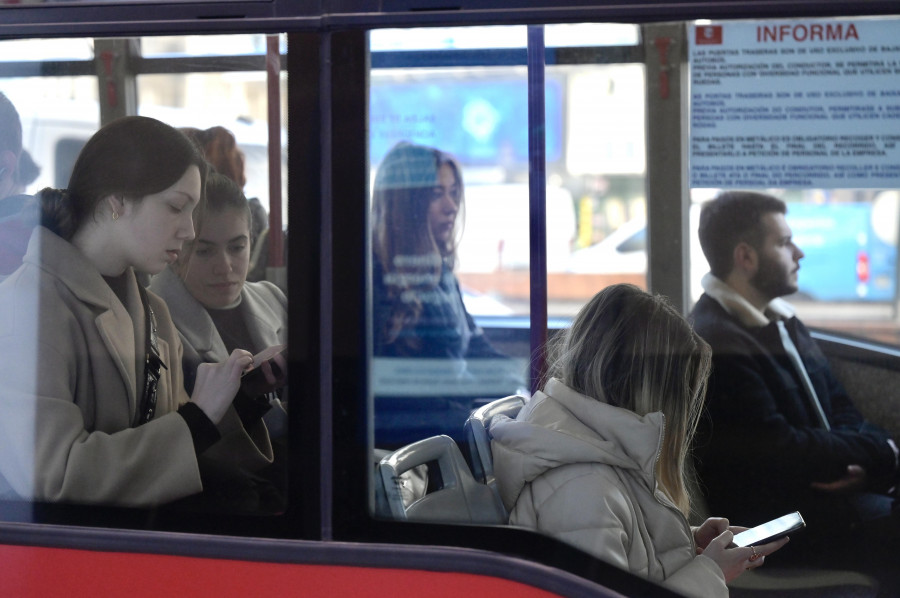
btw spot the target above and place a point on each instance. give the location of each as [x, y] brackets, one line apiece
[449, 212]
[605, 171]
[803, 133]
[594, 150]
[449, 308]
[77, 408]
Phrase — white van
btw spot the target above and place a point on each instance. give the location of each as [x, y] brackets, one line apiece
[54, 133]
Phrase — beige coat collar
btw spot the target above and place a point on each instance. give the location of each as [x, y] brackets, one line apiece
[197, 327]
[191, 318]
[121, 328]
[735, 304]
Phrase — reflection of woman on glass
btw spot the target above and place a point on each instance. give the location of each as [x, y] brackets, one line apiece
[419, 311]
[93, 407]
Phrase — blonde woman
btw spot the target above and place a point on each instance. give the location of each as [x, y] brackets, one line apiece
[598, 458]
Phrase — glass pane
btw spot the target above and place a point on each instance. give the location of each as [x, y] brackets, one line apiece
[39, 50]
[205, 45]
[603, 176]
[591, 34]
[239, 106]
[58, 114]
[808, 118]
[119, 412]
[448, 38]
[449, 155]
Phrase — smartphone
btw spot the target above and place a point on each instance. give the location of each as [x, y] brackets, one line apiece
[771, 531]
[264, 356]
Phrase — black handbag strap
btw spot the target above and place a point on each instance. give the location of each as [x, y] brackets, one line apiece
[152, 367]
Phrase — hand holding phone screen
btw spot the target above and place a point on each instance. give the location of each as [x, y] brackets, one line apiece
[254, 380]
[770, 531]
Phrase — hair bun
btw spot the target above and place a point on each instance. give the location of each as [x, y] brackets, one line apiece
[56, 212]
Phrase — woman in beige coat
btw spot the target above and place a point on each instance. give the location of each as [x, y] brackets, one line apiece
[597, 458]
[213, 306]
[93, 408]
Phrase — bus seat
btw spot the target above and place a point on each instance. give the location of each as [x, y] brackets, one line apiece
[478, 439]
[452, 494]
[790, 582]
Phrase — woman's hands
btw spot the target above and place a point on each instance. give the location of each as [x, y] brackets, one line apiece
[710, 529]
[217, 383]
[732, 560]
[265, 377]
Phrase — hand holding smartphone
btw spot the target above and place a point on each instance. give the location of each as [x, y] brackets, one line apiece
[253, 380]
[771, 530]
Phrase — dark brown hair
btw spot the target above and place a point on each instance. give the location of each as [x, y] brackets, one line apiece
[134, 156]
[733, 217]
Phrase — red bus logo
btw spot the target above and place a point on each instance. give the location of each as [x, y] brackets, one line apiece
[708, 35]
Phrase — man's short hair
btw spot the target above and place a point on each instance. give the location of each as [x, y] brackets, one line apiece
[733, 217]
[10, 127]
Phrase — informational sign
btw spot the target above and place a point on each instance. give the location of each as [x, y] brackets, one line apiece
[795, 104]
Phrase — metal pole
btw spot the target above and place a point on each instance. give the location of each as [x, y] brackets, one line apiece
[275, 270]
[537, 194]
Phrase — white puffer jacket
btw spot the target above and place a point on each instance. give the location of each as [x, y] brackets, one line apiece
[583, 471]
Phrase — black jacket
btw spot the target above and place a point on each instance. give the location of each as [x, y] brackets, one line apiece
[761, 446]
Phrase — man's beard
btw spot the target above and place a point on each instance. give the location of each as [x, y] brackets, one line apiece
[771, 280]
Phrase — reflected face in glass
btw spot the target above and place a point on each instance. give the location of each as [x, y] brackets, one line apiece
[220, 257]
[779, 258]
[157, 226]
[444, 204]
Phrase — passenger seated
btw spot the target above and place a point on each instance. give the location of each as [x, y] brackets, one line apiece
[776, 411]
[93, 408]
[418, 306]
[598, 458]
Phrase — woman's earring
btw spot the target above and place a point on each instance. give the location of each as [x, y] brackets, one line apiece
[115, 215]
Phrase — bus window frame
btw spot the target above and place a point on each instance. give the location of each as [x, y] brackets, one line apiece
[329, 327]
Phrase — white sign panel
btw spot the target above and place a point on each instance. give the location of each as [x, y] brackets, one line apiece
[796, 104]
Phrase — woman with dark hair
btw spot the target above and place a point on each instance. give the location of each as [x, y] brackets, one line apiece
[217, 311]
[222, 152]
[93, 410]
[417, 204]
[598, 458]
[213, 306]
[419, 312]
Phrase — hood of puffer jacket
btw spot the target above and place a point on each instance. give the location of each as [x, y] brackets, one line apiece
[560, 427]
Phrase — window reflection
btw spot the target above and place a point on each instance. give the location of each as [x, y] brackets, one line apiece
[433, 363]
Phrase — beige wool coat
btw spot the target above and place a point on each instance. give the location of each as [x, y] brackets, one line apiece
[71, 374]
[263, 305]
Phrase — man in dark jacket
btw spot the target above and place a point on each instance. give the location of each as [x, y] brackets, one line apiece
[782, 433]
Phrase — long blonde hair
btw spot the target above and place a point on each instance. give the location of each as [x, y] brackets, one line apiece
[633, 350]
